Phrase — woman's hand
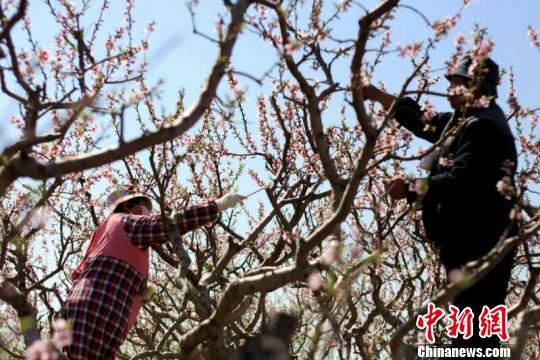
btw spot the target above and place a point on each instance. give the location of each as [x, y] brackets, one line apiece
[229, 200]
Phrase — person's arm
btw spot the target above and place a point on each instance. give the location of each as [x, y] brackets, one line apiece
[409, 114]
[145, 230]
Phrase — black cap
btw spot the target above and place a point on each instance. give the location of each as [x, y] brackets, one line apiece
[487, 73]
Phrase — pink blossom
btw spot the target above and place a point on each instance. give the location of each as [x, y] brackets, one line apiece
[409, 50]
[17, 121]
[512, 99]
[7, 4]
[238, 90]
[329, 256]
[109, 43]
[41, 216]
[420, 152]
[291, 47]
[459, 90]
[344, 5]
[119, 32]
[218, 25]
[386, 38]
[455, 275]
[504, 186]
[61, 18]
[482, 102]
[135, 96]
[460, 39]
[365, 78]
[321, 35]
[315, 281]
[482, 51]
[429, 111]
[356, 232]
[40, 350]
[525, 111]
[62, 336]
[36, 350]
[405, 135]
[460, 42]
[421, 338]
[290, 238]
[24, 55]
[69, 5]
[356, 251]
[387, 141]
[446, 162]
[56, 64]
[442, 27]
[533, 35]
[43, 56]
[27, 71]
[150, 27]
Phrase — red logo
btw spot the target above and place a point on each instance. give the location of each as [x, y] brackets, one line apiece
[491, 322]
[429, 320]
[494, 322]
[460, 322]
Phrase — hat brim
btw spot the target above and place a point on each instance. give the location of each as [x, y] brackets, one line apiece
[461, 75]
[123, 199]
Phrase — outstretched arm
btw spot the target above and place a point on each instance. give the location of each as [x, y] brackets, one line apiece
[409, 114]
[145, 230]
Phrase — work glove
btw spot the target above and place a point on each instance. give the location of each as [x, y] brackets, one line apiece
[229, 200]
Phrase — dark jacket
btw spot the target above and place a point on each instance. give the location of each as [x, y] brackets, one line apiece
[463, 212]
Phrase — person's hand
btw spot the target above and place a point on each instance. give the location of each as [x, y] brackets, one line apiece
[372, 93]
[229, 200]
[396, 187]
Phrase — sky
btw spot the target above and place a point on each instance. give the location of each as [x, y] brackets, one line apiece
[183, 59]
[188, 63]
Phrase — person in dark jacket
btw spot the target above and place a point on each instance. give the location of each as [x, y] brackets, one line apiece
[466, 199]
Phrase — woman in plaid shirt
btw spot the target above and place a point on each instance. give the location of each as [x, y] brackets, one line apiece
[110, 280]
